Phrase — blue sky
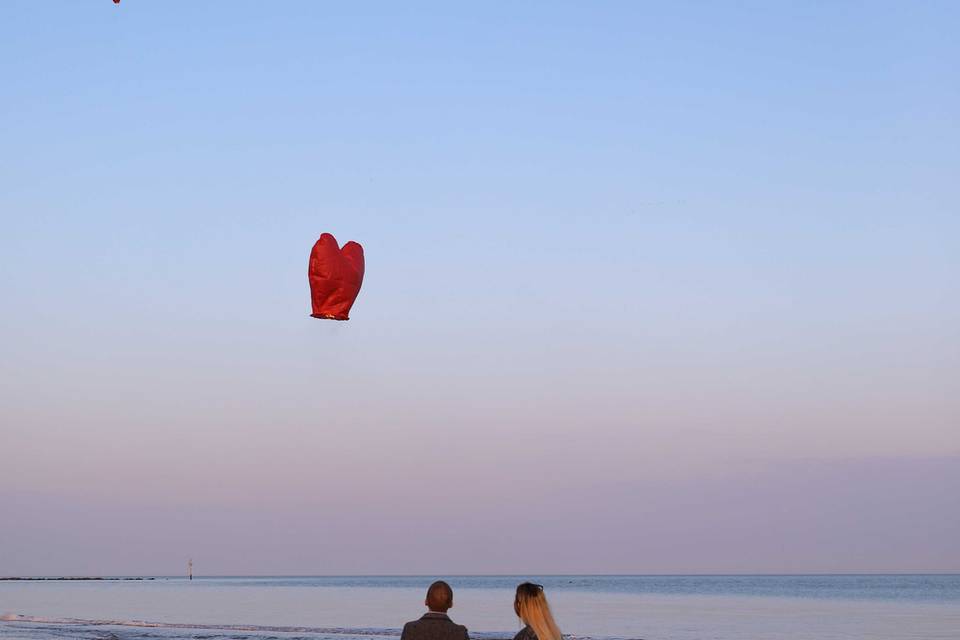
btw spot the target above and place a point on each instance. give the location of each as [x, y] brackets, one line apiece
[620, 246]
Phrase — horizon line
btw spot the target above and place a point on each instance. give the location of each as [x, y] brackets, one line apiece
[489, 575]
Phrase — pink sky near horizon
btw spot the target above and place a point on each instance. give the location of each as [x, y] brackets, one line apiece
[279, 444]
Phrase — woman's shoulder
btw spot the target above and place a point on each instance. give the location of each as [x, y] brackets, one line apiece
[525, 634]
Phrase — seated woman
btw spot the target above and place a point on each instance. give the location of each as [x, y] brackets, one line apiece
[531, 606]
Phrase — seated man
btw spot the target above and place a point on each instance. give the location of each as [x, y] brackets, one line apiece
[435, 624]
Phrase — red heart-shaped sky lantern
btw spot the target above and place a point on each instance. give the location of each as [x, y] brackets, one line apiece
[335, 277]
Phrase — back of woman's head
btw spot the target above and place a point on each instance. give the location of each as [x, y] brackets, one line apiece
[531, 605]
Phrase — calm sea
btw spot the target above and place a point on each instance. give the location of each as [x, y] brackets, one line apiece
[603, 607]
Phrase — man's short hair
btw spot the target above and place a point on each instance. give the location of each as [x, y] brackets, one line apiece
[439, 596]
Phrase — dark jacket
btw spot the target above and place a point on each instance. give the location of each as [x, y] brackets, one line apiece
[434, 626]
[525, 634]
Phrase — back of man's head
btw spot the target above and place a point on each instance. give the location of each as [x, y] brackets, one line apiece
[439, 596]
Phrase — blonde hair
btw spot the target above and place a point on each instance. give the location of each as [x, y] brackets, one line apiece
[531, 605]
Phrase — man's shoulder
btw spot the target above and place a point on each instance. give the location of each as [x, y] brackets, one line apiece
[459, 627]
[428, 623]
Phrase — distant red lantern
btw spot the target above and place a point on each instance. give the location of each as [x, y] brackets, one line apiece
[335, 276]
[116, 1]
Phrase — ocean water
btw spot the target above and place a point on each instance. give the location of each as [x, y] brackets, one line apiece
[597, 607]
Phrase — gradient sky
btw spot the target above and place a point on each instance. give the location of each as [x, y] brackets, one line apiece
[649, 288]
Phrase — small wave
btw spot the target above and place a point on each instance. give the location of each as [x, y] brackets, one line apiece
[10, 617]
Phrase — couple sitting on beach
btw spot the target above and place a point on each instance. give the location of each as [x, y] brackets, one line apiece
[530, 605]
